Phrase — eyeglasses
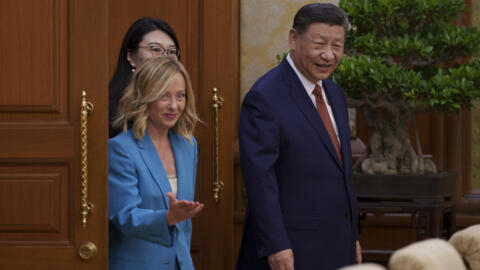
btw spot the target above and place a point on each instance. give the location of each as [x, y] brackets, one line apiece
[156, 50]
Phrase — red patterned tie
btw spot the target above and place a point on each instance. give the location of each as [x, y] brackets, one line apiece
[327, 122]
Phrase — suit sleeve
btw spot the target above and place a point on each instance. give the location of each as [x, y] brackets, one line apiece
[259, 137]
[124, 200]
[195, 159]
[353, 195]
[187, 227]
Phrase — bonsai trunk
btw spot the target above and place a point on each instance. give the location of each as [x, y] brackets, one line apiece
[390, 150]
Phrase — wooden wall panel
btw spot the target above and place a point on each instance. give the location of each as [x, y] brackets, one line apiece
[27, 142]
[34, 202]
[36, 209]
[460, 155]
[32, 35]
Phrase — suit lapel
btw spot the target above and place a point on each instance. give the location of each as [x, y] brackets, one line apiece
[305, 105]
[341, 120]
[154, 165]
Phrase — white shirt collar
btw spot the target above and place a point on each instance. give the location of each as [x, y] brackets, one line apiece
[308, 85]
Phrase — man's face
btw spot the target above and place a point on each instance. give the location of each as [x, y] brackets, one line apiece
[317, 52]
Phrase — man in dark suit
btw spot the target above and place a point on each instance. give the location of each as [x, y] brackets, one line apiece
[296, 157]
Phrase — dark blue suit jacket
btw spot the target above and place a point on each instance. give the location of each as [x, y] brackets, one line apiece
[299, 194]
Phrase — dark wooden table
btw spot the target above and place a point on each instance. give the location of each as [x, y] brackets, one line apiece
[430, 219]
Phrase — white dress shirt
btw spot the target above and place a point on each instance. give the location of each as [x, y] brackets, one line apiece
[173, 180]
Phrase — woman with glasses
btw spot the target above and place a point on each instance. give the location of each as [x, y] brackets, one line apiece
[145, 38]
[152, 167]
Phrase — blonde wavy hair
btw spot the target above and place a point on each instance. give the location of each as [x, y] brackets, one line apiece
[149, 83]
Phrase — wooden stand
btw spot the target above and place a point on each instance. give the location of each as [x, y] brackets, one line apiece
[430, 219]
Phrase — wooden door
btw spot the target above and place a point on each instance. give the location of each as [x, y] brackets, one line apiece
[50, 51]
[208, 35]
[218, 68]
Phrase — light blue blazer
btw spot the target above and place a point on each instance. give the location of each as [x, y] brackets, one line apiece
[139, 236]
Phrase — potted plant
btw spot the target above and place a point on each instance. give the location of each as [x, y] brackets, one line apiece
[403, 57]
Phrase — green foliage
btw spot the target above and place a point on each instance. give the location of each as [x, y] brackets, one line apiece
[366, 77]
[393, 18]
[280, 57]
[410, 50]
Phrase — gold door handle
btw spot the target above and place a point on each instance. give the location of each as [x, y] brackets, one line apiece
[87, 251]
[217, 184]
[86, 206]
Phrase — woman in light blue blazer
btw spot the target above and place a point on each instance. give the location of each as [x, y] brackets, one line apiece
[152, 166]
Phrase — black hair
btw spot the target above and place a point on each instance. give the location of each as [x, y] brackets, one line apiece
[123, 71]
[319, 13]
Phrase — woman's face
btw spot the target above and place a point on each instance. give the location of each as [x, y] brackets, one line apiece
[154, 43]
[165, 111]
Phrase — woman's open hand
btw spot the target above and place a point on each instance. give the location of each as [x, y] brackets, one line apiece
[181, 210]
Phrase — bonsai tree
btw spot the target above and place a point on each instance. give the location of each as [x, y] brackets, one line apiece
[403, 57]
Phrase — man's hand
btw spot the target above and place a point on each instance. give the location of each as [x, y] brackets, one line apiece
[282, 260]
[359, 252]
[181, 210]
